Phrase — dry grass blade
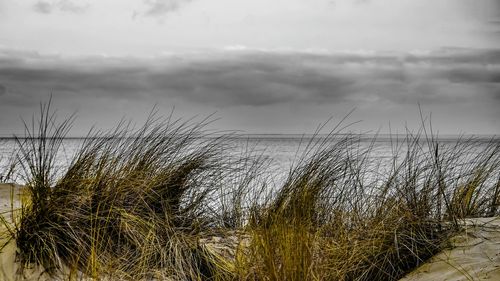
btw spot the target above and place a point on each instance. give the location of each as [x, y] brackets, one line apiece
[169, 201]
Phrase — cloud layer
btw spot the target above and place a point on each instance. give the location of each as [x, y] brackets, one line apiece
[48, 7]
[157, 8]
[263, 80]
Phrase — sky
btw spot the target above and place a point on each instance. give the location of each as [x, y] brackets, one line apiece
[259, 66]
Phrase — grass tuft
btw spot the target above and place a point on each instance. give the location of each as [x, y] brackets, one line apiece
[168, 200]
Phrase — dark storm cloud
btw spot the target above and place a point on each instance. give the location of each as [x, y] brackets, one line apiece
[456, 56]
[3, 90]
[481, 75]
[162, 7]
[252, 80]
[261, 78]
[48, 7]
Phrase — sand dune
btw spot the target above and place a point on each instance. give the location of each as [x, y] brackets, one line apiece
[9, 191]
[474, 253]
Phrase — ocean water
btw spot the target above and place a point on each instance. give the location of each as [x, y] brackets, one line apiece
[282, 151]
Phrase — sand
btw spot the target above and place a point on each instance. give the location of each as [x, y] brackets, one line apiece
[5, 194]
[8, 191]
[8, 265]
[474, 254]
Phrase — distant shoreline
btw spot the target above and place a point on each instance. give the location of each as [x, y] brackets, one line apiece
[377, 137]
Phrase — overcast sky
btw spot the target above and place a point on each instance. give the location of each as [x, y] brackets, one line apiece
[280, 66]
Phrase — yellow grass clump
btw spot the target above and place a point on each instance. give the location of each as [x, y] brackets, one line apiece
[167, 201]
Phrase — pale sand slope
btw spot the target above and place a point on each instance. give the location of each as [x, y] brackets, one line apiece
[9, 191]
[8, 265]
[6, 191]
[475, 255]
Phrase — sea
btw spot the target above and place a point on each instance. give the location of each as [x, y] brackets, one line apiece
[282, 151]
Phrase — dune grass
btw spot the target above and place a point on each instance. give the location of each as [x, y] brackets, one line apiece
[167, 201]
[7, 167]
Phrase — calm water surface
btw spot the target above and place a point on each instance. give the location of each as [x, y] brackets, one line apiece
[282, 150]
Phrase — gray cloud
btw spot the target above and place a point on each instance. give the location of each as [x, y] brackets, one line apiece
[495, 26]
[252, 80]
[261, 79]
[43, 7]
[48, 7]
[3, 90]
[157, 8]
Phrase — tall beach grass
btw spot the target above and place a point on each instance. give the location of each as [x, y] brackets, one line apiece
[168, 201]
